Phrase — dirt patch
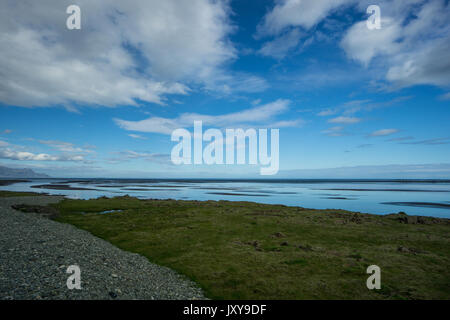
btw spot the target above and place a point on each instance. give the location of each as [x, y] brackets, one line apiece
[43, 211]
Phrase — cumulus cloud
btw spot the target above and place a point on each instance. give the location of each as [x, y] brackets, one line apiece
[302, 13]
[383, 132]
[429, 65]
[285, 20]
[65, 146]
[412, 44]
[124, 53]
[411, 48]
[68, 152]
[363, 44]
[29, 156]
[260, 114]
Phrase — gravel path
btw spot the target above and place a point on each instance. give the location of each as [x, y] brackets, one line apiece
[35, 253]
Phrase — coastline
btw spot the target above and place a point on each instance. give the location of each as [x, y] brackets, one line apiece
[245, 250]
[36, 252]
[415, 197]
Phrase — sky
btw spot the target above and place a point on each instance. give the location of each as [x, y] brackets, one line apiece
[349, 101]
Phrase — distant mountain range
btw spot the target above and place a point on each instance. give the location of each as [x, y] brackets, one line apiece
[6, 172]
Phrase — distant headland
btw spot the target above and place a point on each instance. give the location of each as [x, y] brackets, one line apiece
[6, 172]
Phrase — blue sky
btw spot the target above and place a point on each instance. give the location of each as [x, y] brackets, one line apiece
[102, 101]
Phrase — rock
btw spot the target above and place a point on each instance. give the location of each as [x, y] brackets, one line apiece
[411, 220]
[408, 250]
[404, 218]
[254, 243]
[284, 244]
[355, 218]
[305, 247]
[44, 211]
[279, 235]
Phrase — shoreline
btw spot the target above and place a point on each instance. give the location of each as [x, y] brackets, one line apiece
[383, 199]
[36, 251]
[225, 180]
[247, 250]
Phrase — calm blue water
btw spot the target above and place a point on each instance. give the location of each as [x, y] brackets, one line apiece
[412, 197]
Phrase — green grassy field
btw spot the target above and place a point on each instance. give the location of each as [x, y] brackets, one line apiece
[7, 194]
[243, 250]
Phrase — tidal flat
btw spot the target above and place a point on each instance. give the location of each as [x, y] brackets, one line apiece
[246, 250]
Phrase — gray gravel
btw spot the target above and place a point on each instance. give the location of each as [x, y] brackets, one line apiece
[35, 253]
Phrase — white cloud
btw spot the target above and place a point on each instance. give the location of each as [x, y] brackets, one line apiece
[124, 52]
[412, 45]
[28, 156]
[429, 65]
[153, 124]
[3, 143]
[279, 47]
[136, 136]
[285, 20]
[383, 132]
[259, 114]
[337, 131]
[445, 96]
[286, 123]
[304, 13]
[345, 120]
[69, 152]
[363, 44]
[256, 102]
[65, 146]
[328, 112]
[355, 106]
[228, 83]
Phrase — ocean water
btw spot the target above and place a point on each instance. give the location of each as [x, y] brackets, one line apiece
[415, 197]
